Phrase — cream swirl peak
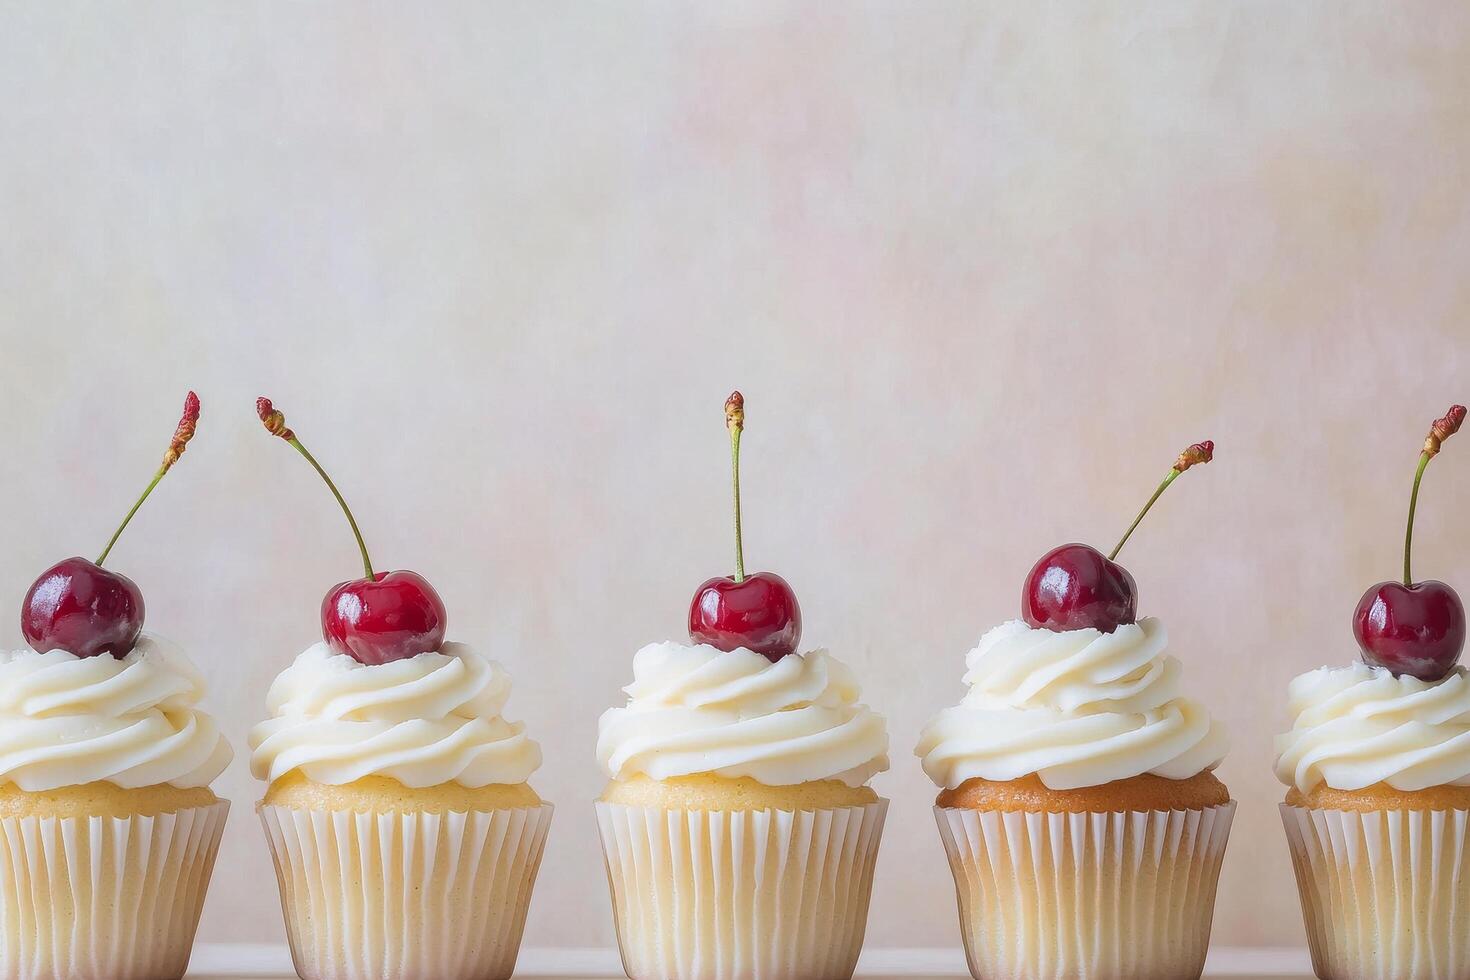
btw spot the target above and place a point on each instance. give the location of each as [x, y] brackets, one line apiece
[430, 719]
[1357, 726]
[699, 710]
[1076, 708]
[67, 720]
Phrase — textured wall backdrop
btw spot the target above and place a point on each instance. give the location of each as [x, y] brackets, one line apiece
[981, 271]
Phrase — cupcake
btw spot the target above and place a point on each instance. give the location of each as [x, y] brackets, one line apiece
[405, 836]
[739, 831]
[110, 828]
[1079, 809]
[1377, 765]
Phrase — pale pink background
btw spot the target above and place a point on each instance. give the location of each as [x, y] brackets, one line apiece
[981, 270]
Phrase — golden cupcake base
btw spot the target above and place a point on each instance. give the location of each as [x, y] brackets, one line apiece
[1136, 794]
[710, 792]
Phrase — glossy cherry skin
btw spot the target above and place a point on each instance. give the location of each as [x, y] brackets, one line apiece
[82, 608]
[394, 616]
[1417, 630]
[1075, 587]
[760, 614]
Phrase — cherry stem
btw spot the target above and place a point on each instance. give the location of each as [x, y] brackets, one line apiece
[735, 487]
[118, 533]
[1424, 459]
[1441, 430]
[1413, 503]
[1200, 452]
[367, 563]
[1173, 475]
[183, 432]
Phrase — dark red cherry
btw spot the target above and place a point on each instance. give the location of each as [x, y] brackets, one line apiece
[1076, 587]
[1417, 630]
[760, 614]
[395, 616]
[82, 608]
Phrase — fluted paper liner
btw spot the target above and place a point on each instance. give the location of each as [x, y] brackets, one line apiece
[740, 894]
[104, 898]
[1385, 894]
[1086, 896]
[405, 896]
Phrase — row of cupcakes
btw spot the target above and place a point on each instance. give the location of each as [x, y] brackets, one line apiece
[1078, 807]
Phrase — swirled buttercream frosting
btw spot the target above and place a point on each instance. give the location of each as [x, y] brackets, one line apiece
[696, 710]
[1078, 708]
[1357, 726]
[67, 720]
[424, 721]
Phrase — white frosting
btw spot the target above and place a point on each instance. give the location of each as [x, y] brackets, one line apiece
[430, 719]
[1079, 708]
[697, 709]
[67, 720]
[1357, 726]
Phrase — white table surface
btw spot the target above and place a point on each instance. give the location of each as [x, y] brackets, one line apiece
[252, 962]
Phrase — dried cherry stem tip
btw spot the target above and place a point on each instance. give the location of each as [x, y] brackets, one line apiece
[1441, 430]
[1195, 455]
[735, 422]
[183, 432]
[274, 421]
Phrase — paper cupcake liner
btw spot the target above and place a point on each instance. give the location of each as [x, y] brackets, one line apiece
[1385, 894]
[410, 896]
[742, 894]
[1086, 896]
[104, 898]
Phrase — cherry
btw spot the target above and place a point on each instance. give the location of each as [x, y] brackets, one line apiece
[1076, 586]
[383, 616]
[82, 608]
[1418, 630]
[393, 616]
[77, 605]
[758, 612]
